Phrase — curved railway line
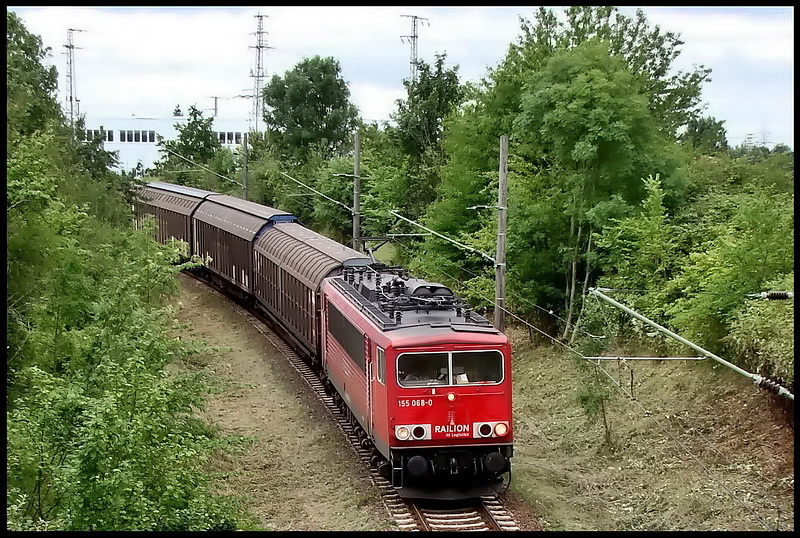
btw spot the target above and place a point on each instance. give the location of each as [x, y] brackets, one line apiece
[484, 514]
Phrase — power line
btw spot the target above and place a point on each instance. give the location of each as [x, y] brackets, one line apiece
[203, 167]
[757, 379]
[315, 191]
[437, 234]
[517, 299]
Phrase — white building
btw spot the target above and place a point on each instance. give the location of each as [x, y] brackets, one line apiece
[134, 139]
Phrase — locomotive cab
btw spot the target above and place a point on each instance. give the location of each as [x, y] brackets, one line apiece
[427, 381]
[449, 409]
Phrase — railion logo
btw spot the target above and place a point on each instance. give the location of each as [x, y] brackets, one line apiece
[451, 428]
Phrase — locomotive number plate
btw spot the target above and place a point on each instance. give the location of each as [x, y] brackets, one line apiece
[414, 403]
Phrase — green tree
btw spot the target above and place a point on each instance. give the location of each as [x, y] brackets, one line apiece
[470, 164]
[762, 333]
[195, 150]
[639, 252]
[99, 435]
[545, 240]
[705, 135]
[195, 139]
[434, 95]
[586, 113]
[308, 109]
[649, 53]
[30, 86]
[335, 180]
[431, 97]
[742, 253]
[780, 149]
[385, 168]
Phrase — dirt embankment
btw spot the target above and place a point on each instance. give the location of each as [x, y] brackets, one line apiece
[701, 448]
[296, 471]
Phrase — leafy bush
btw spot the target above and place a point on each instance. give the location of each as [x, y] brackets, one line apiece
[99, 435]
[762, 333]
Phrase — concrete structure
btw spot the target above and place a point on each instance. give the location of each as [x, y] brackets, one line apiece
[135, 138]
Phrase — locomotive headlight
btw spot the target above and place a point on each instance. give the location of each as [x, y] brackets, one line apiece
[413, 432]
[490, 429]
[451, 396]
[500, 429]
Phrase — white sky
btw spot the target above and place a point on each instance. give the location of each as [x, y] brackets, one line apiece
[142, 61]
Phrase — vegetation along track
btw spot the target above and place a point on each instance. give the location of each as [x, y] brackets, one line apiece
[484, 514]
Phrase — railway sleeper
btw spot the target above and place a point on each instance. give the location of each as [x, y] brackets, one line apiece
[454, 520]
[456, 526]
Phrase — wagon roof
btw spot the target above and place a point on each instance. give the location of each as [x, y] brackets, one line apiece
[246, 206]
[306, 254]
[179, 189]
[240, 217]
[181, 200]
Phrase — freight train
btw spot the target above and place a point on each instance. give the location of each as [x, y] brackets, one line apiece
[425, 380]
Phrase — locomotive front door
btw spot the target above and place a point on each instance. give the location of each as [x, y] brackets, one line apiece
[370, 378]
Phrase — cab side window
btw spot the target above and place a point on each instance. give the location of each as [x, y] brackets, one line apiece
[381, 359]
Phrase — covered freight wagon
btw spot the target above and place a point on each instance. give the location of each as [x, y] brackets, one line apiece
[290, 263]
[224, 230]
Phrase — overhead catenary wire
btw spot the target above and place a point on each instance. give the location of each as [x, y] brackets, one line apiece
[512, 314]
[437, 234]
[523, 299]
[201, 166]
[315, 191]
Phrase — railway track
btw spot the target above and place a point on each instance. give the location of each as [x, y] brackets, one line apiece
[484, 514]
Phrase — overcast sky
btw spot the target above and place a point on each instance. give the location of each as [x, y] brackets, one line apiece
[143, 61]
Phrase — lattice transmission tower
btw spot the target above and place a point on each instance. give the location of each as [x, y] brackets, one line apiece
[72, 86]
[258, 73]
[412, 39]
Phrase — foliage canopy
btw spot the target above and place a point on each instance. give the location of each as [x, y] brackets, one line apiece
[100, 437]
[309, 109]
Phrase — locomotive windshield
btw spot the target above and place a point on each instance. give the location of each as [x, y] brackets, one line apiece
[418, 369]
[453, 368]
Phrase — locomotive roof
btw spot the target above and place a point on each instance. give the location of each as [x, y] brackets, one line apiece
[427, 335]
[306, 254]
[393, 301]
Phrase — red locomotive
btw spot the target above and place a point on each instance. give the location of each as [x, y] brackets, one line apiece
[426, 382]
